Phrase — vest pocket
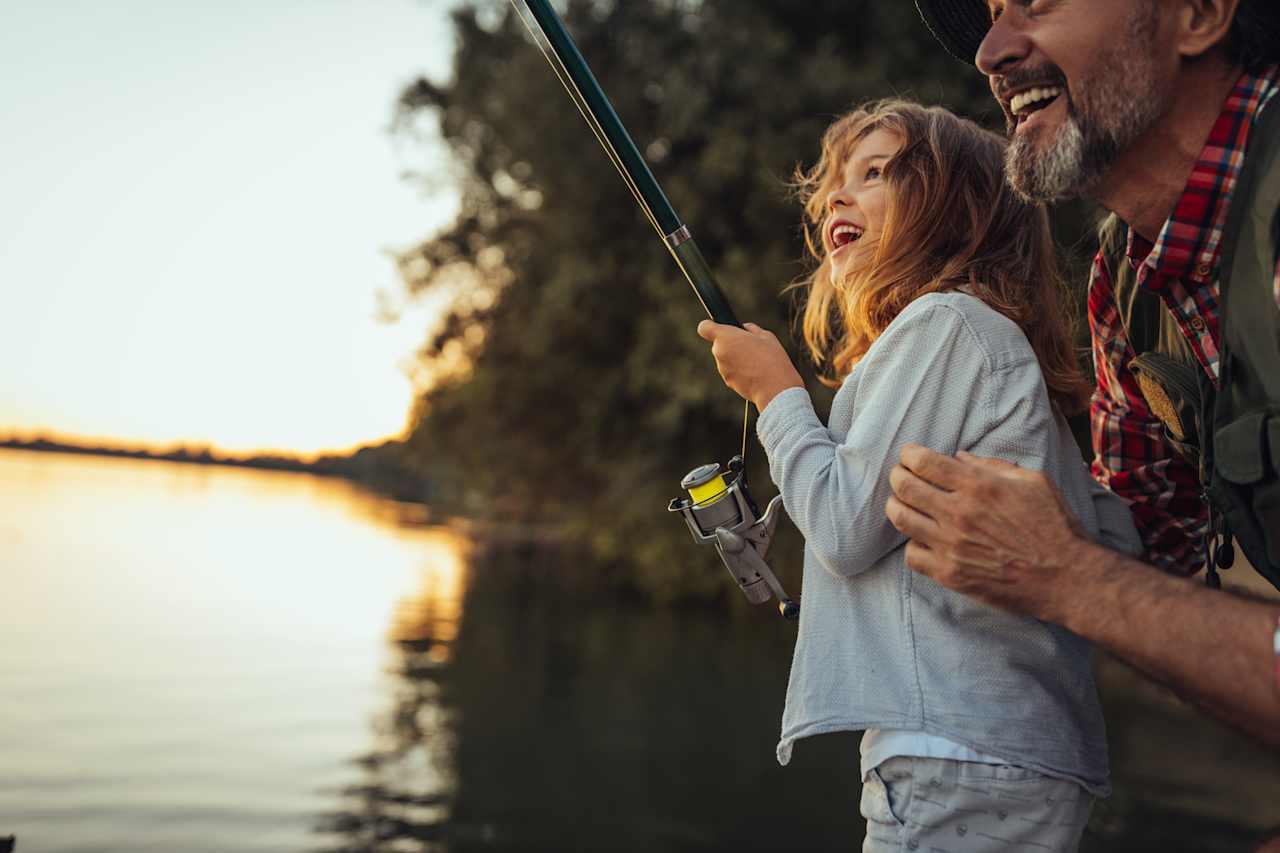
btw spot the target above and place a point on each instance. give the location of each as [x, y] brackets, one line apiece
[1240, 449]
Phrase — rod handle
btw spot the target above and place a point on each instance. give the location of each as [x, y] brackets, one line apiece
[704, 284]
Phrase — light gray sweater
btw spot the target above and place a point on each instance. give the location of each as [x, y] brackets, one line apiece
[881, 646]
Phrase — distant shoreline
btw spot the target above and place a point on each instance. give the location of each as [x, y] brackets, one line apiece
[380, 467]
[195, 456]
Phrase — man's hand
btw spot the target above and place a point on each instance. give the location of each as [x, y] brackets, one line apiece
[986, 528]
[751, 361]
[1003, 535]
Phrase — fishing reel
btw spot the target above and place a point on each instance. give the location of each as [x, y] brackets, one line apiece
[721, 512]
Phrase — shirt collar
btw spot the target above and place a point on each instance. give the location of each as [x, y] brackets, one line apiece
[1189, 243]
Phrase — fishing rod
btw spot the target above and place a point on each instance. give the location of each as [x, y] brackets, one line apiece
[566, 60]
[719, 510]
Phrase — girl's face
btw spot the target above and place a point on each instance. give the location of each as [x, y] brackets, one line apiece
[856, 208]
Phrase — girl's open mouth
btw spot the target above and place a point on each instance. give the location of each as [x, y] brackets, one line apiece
[843, 234]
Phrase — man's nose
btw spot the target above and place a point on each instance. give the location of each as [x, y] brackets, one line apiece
[1004, 47]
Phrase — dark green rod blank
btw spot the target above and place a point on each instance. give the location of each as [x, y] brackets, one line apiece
[685, 250]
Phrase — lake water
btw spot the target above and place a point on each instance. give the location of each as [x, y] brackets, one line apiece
[211, 659]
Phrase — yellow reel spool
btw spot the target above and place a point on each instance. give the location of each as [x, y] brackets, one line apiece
[706, 489]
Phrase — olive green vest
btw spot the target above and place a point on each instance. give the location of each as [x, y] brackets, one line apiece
[1231, 433]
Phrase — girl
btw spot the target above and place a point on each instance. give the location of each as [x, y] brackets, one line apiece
[935, 311]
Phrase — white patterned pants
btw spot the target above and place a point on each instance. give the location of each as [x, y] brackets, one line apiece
[935, 805]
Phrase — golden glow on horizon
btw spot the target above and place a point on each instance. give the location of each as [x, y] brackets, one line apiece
[107, 442]
[204, 268]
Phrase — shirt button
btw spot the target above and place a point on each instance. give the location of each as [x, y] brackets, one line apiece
[1197, 323]
[1204, 270]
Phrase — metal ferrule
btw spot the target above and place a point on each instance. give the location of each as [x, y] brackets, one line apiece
[678, 236]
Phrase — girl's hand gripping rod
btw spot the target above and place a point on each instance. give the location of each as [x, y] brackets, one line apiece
[721, 512]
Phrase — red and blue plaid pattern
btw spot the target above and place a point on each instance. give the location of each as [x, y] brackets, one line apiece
[1132, 456]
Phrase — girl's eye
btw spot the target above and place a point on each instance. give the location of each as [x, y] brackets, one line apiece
[873, 173]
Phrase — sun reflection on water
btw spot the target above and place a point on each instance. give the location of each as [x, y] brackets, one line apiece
[428, 619]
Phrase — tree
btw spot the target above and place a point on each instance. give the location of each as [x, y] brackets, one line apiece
[567, 383]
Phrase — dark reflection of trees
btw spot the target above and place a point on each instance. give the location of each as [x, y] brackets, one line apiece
[554, 725]
[568, 726]
[400, 797]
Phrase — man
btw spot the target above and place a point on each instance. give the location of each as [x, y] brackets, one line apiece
[1148, 107]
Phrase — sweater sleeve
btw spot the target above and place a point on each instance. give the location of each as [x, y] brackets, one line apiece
[922, 381]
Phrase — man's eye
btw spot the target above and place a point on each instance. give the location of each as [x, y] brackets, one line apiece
[998, 9]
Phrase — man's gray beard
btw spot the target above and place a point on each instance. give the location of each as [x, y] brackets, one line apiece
[1058, 174]
[1116, 107]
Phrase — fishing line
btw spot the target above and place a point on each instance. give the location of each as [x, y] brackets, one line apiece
[545, 47]
[579, 101]
[571, 88]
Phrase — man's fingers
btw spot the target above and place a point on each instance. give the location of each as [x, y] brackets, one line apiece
[912, 523]
[925, 560]
[917, 493]
[987, 462]
[935, 467]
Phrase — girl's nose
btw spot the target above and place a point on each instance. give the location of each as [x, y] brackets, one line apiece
[839, 198]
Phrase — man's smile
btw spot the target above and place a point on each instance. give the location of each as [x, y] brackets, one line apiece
[1024, 93]
[1037, 107]
[1030, 100]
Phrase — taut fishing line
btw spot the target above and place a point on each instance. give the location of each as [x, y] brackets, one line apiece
[545, 47]
[575, 95]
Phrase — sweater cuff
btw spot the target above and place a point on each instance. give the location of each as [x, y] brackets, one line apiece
[789, 408]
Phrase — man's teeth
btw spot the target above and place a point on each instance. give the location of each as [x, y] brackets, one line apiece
[1022, 100]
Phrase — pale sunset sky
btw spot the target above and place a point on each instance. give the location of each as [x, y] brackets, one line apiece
[197, 205]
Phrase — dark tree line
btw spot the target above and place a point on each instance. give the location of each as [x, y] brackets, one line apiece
[567, 384]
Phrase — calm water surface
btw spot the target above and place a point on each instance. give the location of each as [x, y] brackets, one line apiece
[211, 659]
[191, 657]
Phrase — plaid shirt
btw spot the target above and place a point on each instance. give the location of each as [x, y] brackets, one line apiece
[1131, 454]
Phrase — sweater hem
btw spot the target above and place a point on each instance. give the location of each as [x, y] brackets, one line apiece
[1099, 787]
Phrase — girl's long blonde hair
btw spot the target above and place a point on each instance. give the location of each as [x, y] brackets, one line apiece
[950, 221]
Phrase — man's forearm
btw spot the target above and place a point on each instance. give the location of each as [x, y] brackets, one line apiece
[1213, 648]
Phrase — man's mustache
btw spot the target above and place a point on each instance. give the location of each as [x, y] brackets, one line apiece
[1045, 75]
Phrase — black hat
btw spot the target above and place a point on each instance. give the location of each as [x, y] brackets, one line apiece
[961, 25]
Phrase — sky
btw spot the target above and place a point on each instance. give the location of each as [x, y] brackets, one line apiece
[199, 203]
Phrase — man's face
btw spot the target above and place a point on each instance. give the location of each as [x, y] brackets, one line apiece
[1079, 82]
